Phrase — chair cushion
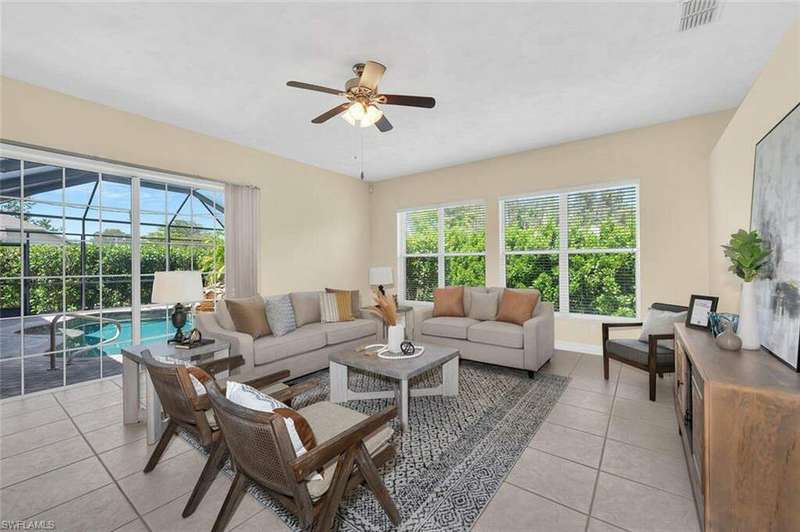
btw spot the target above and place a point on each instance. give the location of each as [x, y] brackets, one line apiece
[280, 314]
[496, 333]
[271, 348]
[448, 301]
[300, 431]
[306, 307]
[448, 327]
[344, 331]
[327, 420]
[661, 322]
[636, 351]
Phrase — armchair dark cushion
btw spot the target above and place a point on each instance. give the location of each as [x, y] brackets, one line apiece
[637, 351]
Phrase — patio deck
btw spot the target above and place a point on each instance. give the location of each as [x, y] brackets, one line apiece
[39, 376]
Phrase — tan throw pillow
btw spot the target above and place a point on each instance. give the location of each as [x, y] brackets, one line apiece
[249, 316]
[355, 300]
[448, 302]
[335, 306]
[517, 307]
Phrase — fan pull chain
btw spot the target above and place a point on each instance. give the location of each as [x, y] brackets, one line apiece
[362, 155]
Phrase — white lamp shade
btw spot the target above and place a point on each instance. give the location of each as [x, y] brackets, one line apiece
[177, 287]
[380, 275]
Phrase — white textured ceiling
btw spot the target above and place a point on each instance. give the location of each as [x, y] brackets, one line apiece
[506, 77]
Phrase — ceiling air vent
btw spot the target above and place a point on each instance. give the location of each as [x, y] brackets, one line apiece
[696, 13]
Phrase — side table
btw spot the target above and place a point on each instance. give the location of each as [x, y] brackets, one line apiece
[214, 357]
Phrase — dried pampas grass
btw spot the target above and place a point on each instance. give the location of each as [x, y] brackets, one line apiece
[384, 308]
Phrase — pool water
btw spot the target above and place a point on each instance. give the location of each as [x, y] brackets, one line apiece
[152, 330]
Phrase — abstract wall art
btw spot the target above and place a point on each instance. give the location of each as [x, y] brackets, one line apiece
[776, 216]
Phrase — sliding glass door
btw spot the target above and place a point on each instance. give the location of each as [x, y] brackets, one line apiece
[69, 240]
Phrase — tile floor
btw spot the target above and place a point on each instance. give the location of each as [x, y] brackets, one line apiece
[603, 460]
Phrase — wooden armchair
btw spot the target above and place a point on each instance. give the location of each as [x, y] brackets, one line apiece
[351, 447]
[192, 412]
[650, 356]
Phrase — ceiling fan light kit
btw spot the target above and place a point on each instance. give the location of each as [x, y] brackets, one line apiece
[363, 98]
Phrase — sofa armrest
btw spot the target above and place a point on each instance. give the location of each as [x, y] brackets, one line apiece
[367, 314]
[420, 315]
[241, 343]
[539, 337]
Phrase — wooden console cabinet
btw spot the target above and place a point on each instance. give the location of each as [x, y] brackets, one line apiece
[739, 419]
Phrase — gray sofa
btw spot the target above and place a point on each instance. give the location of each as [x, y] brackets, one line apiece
[302, 351]
[528, 346]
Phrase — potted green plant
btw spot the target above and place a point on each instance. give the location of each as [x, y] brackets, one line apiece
[747, 253]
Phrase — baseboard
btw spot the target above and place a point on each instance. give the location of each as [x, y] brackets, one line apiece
[589, 349]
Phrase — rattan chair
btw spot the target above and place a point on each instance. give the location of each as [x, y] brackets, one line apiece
[650, 356]
[192, 412]
[350, 448]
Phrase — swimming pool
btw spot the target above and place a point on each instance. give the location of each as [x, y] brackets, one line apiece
[154, 327]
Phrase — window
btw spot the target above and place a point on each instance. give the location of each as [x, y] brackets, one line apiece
[444, 246]
[67, 253]
[579, 248]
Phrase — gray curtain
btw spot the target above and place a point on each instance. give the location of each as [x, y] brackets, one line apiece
[242, 244]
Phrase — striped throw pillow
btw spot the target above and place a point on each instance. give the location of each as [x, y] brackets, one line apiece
[336, 306]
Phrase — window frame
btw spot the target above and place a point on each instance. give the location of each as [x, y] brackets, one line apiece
[564, 251]
[440, 254]
[103, 168]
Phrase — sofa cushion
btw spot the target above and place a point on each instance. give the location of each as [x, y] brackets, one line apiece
[344, 331]
[496, 333]
[637, 351]
[335, 307]
[483, 306]
[448, 302]
[224, 316]
[271, 348]
[517, 306]
[249, 316]
[327, 420]
[355, 299]
[306, 307]
[280, 314]
[448, 327]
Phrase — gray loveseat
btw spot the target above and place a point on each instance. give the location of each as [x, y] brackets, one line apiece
[302, 351]
[528, 346]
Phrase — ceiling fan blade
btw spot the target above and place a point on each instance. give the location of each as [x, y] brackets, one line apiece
[410, 101]
[372, 74]
[309, 86]
[383, 124]
[327, 115]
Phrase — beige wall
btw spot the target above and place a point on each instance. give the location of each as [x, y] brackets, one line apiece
[315, 223]
[670, 161]
[775, 93]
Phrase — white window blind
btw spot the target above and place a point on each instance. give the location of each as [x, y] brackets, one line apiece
[445, 246]
[579, 248]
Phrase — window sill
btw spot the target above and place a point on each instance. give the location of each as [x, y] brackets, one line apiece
[595, 317]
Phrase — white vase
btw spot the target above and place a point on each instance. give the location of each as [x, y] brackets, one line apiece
[748, 318]
[396, 335]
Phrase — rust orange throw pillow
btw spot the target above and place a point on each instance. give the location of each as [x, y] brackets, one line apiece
[448, 302]
[517, 307]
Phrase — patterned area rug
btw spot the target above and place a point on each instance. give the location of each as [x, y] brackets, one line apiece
[456, 453]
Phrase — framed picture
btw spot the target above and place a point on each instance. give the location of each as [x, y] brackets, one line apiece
[699, 309]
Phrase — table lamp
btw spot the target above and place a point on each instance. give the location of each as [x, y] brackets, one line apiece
[380, 275]
[177, 288]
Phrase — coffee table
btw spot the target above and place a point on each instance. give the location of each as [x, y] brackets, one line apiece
[400, 370]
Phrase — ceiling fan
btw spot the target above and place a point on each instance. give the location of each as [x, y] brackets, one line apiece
[363, 98]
